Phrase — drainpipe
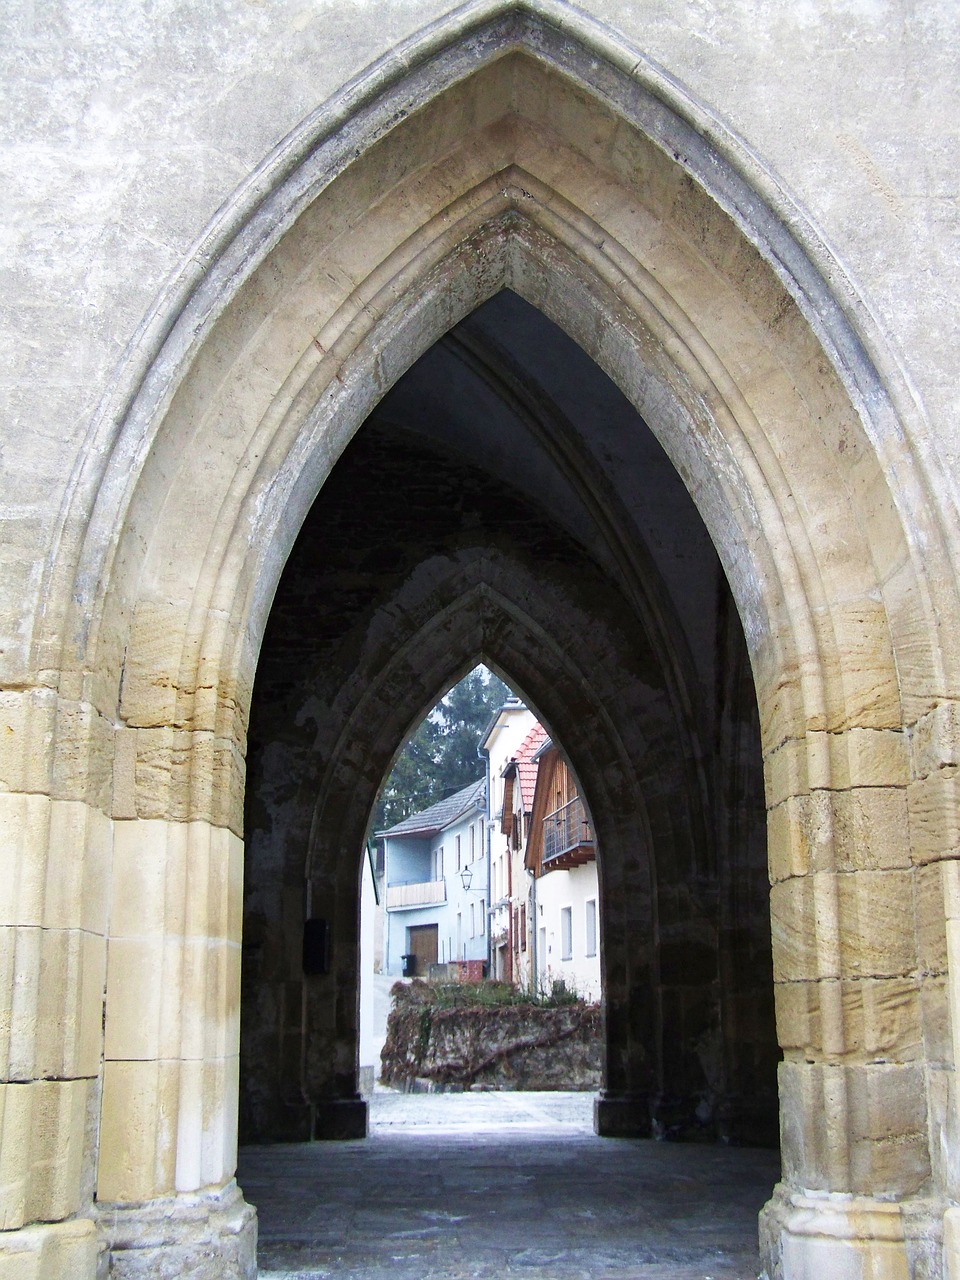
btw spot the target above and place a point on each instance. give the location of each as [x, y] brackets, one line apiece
[486, 824]
[510, 941]
[534, 966]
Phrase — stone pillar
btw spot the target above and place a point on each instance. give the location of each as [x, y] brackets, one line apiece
[333, 1007]
[55, 863]
[167, 1202]
[623, 1108]
[855, 1011]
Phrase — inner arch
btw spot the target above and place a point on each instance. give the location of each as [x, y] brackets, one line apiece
[449, 532]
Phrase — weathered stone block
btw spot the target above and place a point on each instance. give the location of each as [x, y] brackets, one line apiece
[138, 1130]
[933, 898]
[793, 928]
[51, 1251]
[934, 807]
[935, 740]
[42, 1125]
[210, 1235]
[813, 1126]
[622, 1115]
[27, 732]
[883, 1018]
[876, 913]
[888, 1139]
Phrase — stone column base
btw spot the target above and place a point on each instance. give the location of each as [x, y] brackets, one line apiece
[340, 1119]
[206, 1236]
[50, 1251]
[812, 1235]
[622, 1115]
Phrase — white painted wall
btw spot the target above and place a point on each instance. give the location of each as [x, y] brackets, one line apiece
[568, 890]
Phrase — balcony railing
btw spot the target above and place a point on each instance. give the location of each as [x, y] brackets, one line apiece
[423, 893]
[568, 837]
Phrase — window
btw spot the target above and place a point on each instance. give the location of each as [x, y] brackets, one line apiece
[523, 926]
[483, 917]
[438, 864]
[566, 933]
[591, 923]
[459, 935]
[473, 920]
[473, 841]
[459, 858]
[542, 957]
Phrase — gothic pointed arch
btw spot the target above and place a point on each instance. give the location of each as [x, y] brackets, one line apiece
[515, 150]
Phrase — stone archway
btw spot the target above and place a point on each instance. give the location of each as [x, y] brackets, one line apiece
[526, 153]
[447, 561]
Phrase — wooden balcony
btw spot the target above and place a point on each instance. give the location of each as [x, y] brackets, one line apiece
[568, 839]
[422, 893]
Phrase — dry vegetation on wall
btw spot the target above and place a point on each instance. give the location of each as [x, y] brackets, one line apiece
[490, 1036]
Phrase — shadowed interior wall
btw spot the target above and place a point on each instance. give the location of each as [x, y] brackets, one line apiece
[515, 508]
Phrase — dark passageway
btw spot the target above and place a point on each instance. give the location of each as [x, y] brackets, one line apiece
[504, 503]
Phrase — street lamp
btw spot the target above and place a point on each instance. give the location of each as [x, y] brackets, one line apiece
[466, 879]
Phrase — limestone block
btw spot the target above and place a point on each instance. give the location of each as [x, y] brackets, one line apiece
[788, 838]
[51, 1251]
[189, 776]
[933, 898]
[934, 807]
[58, 853]
[793, 928]
[207, 1123]
[786, 771]
[876, 918]
[889, 1153]
[861, 674]
[862, 827]
[24, 829]
[83, 755]
[173, 677]
[881, 1017]
[148, 856]
[138, 1130]
[78, 867]
[870, 828]
[857, 1128]
[42, 1127]
[949, 872]
[176, 878]
[806, 1236]
[210, 1009]
[167, 1125]
[207, 1236]
[935, 1012]
[70, 1003]
[798, 1016]
[27, 729]
[951, 1244]
[935, 740]
[124, 796]
[813, 1125]
[144, 998]
[151, 671]
[858, 757]
[51, 1003]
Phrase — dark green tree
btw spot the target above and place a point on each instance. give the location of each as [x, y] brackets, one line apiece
[440, 756]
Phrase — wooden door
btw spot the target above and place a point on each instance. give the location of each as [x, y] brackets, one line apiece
[423, 945]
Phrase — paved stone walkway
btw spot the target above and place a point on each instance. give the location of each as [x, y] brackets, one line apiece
[487, 1186]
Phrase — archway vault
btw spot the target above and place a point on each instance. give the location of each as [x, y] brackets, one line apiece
[520, 153]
